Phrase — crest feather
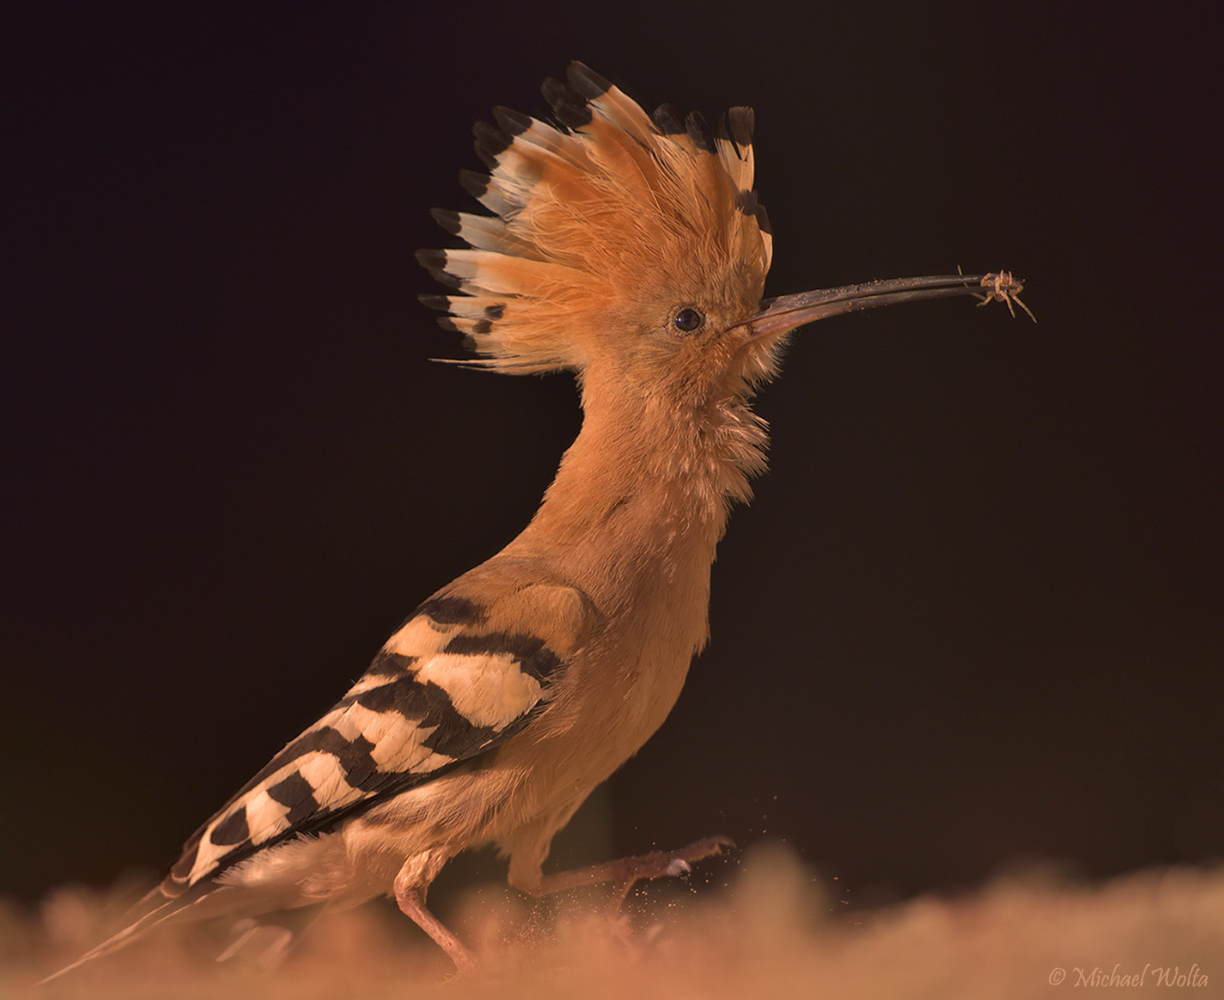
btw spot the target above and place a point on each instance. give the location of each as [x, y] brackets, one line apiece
[586, 212]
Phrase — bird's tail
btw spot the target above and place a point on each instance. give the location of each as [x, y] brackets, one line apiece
[206, 900]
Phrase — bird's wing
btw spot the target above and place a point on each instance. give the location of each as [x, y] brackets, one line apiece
[462, 675]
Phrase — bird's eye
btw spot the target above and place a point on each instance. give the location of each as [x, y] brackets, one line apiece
[688, 320]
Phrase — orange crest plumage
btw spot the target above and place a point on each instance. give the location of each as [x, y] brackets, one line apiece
[591, 214]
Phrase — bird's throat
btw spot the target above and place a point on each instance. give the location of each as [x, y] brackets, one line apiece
[649, 484]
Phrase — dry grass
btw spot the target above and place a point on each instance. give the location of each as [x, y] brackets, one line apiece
[770, 932]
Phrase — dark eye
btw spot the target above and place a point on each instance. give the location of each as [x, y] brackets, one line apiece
[688, 320]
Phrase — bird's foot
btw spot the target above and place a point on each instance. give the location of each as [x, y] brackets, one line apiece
[624, 873]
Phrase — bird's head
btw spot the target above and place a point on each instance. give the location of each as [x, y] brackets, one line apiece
[630, 248]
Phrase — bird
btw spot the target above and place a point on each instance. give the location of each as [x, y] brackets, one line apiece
[630, 249]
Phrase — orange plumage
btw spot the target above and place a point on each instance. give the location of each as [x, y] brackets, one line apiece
[615, 210]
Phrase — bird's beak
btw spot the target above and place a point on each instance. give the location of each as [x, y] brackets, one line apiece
[777, 316]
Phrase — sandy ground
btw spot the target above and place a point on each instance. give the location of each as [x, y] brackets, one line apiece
[761, 927]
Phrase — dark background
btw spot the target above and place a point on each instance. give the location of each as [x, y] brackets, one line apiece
[974, 617]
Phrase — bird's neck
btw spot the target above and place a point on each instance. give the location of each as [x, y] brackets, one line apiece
[647, 486]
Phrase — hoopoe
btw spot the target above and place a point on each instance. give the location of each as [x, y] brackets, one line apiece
[631, 250]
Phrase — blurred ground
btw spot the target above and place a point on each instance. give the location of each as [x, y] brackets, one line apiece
[769, 930]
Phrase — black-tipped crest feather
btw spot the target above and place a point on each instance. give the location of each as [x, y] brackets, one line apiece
[740, 123]
[473, 183]
[586, 81]
[490, 143]
[570, 107]
[446, 219]
[510, 121]
[581, 207]
[699, 131]
[668, 120]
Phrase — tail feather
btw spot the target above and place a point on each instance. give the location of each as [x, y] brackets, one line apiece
[203, 901]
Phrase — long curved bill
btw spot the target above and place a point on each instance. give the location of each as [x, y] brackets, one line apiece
[787, 312]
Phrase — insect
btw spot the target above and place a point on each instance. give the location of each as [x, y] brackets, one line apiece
[1005, 288]
[630, 249]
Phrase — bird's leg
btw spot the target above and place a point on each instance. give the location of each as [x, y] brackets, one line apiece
[411, 885]
[624, 872]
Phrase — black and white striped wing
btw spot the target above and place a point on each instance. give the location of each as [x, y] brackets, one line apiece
[452, 683]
